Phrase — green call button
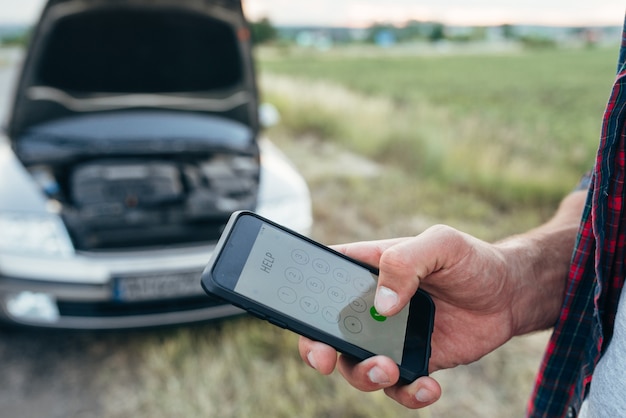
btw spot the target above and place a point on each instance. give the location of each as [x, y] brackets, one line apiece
[377, 317]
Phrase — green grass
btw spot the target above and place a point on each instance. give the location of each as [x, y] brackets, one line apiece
[240, 368]
[517, 129]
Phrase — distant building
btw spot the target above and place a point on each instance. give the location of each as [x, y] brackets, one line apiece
[385, 38]
[321, 37]
[318, 39]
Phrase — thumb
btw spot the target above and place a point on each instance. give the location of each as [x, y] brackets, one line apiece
[398, 280]
[391, 258]
[406, 263]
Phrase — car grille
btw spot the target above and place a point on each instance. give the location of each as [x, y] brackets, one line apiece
[113, 309]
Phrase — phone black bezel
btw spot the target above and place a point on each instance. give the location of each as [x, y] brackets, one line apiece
[230, 255]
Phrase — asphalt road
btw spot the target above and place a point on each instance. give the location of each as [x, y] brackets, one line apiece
[72, 374]
[50, 374]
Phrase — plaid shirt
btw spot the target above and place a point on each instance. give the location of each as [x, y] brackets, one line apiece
[596, 276]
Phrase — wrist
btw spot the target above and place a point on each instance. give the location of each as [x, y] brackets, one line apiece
[538, 266]
[539, 263]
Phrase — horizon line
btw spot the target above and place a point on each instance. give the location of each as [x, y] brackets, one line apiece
[367, 24]
[468, 24]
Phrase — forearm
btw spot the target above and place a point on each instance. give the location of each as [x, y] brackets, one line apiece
[539, 262]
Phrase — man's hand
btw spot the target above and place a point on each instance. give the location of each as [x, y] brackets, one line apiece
[484, 295]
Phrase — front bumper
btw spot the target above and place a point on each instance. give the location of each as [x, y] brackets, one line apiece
[84, 291]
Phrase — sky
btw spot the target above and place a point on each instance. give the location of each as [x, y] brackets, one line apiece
[359, 13]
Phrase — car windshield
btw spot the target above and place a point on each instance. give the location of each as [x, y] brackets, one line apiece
[131, 51]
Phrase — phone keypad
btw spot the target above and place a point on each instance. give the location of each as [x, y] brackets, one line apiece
[287, 295]
[300, 256]
[358, 304]
[294, 275]
[334, 294]
[309, 304]
[299, 283]
[361, 284]
[341, 275]
[321, 266]
[315, 285]
[331, 314]
[353, 324]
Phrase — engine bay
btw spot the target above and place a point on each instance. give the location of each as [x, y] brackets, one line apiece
[121, 203]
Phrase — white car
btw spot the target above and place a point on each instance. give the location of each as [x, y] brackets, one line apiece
[133, 134]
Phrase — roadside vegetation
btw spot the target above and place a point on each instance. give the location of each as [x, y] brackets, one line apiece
[516, 129]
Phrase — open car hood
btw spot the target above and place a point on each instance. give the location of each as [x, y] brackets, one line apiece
[132, 134]
[101, 56]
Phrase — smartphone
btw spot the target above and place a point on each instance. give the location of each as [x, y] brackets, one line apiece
[301, 285]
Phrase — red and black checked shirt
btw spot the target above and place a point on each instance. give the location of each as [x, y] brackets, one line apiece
[596, 276]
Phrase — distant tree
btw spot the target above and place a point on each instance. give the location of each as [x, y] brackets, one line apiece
[437, 33]
[413, 30]
[374, 32]
[478, 33]
[508, 31]
[263, 31]
[19, 40]
[538, 42]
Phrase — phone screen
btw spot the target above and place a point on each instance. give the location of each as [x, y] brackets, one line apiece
[317, 287]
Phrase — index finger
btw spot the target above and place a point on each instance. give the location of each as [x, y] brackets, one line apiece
[319, 356]
[368, 252]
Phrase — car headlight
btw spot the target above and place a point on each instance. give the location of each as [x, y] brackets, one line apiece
[30, 234]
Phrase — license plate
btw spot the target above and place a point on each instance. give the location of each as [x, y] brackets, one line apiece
[160, 286]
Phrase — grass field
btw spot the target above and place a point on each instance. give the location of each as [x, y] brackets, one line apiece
[516, 129]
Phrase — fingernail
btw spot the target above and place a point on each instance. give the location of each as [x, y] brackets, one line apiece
[424, 395]
[377, 375]
[311, 360]
[385, 300]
